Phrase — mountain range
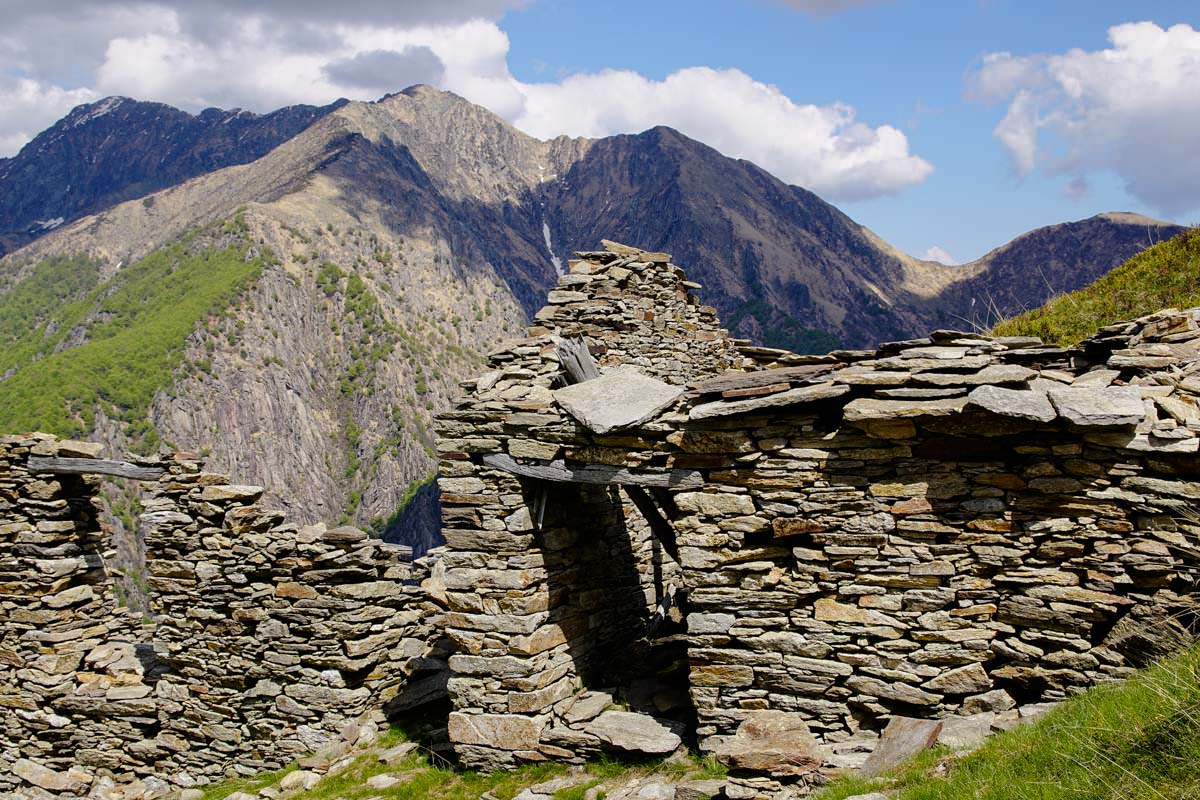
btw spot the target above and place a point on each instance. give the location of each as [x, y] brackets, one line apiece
[350, 263]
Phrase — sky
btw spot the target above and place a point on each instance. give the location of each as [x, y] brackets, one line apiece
[946, 126]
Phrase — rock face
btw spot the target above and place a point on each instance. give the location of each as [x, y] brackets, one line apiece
[267, 639]
[966, 525]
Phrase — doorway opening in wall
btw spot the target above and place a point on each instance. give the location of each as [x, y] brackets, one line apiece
[614, 587]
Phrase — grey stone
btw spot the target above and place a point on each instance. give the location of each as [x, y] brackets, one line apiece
[1111, 407]
[1020, 404]
[633, 733]
[699, 789]
[903, 738]
[792, 397]
[964, 680]
[775, 742]
[991, 374]
[499, 731]
[867, 408]
[588, 706]
[617, 399]
[966, 733]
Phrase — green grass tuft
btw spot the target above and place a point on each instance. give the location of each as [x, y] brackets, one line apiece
[1163, 276]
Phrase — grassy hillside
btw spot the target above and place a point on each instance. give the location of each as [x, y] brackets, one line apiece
[1140, 738]
[1166, 275]
[71, 344]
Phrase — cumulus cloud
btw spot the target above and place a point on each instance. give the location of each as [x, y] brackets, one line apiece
[823, 148]
[285, 52]
[1132, 108]
[940, 255]
[30, 106]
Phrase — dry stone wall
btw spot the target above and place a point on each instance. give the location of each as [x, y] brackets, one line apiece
[550, 588]
[952, 525]
[266, 640]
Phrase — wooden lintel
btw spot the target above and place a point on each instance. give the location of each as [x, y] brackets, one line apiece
[559, 472]
[94, 466]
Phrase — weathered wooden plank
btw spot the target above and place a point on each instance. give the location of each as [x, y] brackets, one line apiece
[559, 472]
[730, 381]
[577, 360]
[94, 466]
[660, 526]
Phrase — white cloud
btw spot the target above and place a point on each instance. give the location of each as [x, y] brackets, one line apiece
[823, 148]
[30, 107]
[262, 60]
[940, 255]
[1132, 108]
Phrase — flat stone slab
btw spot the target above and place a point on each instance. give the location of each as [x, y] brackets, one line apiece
[776, 742]
[633, 733]
[868, 408]
[903, 738]
[1108, 407]
[619, 398]
[792, 397]
[1015, 403]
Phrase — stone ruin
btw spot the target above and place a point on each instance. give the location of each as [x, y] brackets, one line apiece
[812, 545]
[655, 535]
[267, 642]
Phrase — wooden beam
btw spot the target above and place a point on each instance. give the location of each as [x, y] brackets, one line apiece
[577, 360]
[660, 526]
[559, 472]
[94, 466]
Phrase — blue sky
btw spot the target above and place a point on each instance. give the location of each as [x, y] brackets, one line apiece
[945, 124]
[902, 63]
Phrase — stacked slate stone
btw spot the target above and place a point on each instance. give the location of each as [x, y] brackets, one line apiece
[954, 525]
[271, 639]
[549, 591]
[72, 696]
[276, 636]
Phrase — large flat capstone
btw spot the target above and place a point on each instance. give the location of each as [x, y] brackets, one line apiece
[1109, 407]
[619, 398]
[633, 733]
[1017, 403]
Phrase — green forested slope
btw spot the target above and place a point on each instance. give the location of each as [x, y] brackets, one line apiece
[70, 344]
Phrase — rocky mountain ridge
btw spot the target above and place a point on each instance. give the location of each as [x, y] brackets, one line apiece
[411, 234]
[118, 149]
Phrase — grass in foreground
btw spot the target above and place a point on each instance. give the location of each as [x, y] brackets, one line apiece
[1163, 276]
[425, 780]
[1137, 739]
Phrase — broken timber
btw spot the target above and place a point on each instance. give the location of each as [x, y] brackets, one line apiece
[94, 466]
[577, 360]
[559, 472]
